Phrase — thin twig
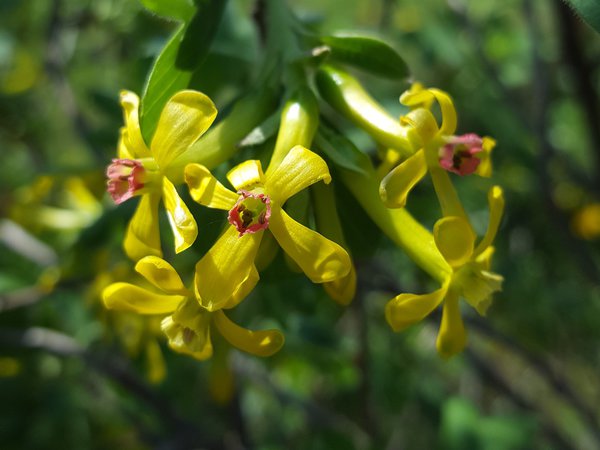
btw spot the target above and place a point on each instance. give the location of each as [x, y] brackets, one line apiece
[587, 94]
[117, 370]
[55, 65]
[318, 416]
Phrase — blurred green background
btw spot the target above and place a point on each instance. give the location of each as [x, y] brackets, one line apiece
[73, 376]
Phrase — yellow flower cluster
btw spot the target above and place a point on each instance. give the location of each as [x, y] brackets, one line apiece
[259, 220]
[226, 274]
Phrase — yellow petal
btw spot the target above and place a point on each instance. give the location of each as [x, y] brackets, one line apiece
[321, 260]
[299, 169]
[188, 330]
[161, 274]
[485, 166]
[123, 151]
[397, 184]
[452, 337]
[405, 310]
[246, 286]
[417, 97]
[181, 220]
[155, 363]
[454, 239]
[206, 189]
[496, 205]
[185, 117]
[128, 297]
[246, 175]
[136, 146]
[423, 124]
[448, 112]
[343, 289]
[142, 237]
[259, 343]
[225, 267]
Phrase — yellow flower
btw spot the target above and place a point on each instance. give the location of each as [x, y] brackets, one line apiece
[255, 207]
[187, 325]
[440, 151]
[471, 279]
[140, 170]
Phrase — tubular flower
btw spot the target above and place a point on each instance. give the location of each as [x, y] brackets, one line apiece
[186, 324]
[256, 207]
[140, 170]
[440, 149]
[470, 279]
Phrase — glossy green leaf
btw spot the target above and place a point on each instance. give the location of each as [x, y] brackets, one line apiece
[340, 151]
[180, 58]
[588, 10]
[173, 9]
[369, 54]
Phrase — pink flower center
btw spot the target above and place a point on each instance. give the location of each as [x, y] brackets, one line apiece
[458, 155]
[250, 213]
[125, 178]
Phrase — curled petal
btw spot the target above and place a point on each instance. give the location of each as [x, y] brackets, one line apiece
[452, 337]
[394, 188]
[122, 151]
[185, 117]
[259, 343]
[245, 287]
[225, 267]
[142, 237]
[246, 175]
[132, 135]
[449, 121]
[128, 297]
[343, 289]
[417, 97]
[496, 205]
[161, 274]
[405, 310]
[299, 169]
[454, 239]
[206, 189]
[476, 283]
[181, 220]
[485, 166]
[319, 258]
[188, 330]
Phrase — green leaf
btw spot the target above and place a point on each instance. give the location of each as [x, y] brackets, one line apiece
[180, 58]
[173, 9]
[266, 130]
[589, 10]
[369, 54]
[341, 151]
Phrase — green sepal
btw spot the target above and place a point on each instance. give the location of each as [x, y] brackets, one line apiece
[367, 53]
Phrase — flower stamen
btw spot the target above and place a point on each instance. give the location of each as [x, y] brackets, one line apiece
[250, 213]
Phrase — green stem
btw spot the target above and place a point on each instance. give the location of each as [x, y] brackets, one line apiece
[398, 225]
[444, 189]
[347, 96]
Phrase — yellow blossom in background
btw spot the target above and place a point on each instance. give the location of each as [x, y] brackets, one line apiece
[586, 222]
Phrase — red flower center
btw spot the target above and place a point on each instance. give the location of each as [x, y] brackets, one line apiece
[250, 213]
